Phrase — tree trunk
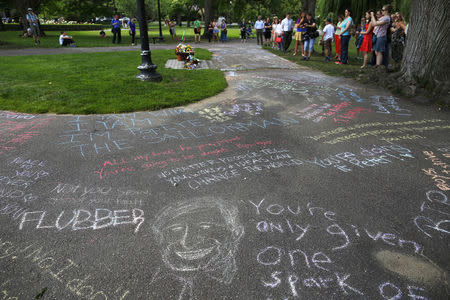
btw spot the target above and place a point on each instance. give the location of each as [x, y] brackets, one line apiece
[309, 6]
[208, 15]
[426, 61]
[179, 19]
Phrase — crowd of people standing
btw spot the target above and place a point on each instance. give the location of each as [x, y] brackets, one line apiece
[379, 34]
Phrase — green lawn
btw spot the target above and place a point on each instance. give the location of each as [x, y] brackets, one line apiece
[317, 60]
[87, 83]
[12, 39]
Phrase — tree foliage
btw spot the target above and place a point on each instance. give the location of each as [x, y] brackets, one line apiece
[333, 8]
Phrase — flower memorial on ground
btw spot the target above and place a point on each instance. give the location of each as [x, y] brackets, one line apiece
[183, 49]
[186, 53]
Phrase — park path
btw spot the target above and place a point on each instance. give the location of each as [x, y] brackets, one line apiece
[69, 50]
[290, 184]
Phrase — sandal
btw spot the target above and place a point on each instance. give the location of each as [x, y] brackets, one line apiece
[295, 53]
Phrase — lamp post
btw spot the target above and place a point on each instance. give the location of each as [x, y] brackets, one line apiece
[147, 67]
[161, 38]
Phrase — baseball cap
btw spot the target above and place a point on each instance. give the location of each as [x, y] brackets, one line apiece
[29, 9]
[328, 20]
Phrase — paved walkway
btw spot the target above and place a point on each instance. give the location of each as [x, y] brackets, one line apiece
[68, 50]
[288, 185]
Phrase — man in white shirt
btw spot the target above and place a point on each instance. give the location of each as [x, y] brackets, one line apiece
[259, 26]
[286, 25]
[327, 38]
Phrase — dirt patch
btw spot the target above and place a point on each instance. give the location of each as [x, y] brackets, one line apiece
[411, 267]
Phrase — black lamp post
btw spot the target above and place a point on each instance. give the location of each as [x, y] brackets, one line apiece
[161, 38]
[146, 68]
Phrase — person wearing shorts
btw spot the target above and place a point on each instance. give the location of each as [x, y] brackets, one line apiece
[173, 34]
[33, 22]
[327, 38]
[197, 31]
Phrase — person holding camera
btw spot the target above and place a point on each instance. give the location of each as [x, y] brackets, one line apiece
[310, 36]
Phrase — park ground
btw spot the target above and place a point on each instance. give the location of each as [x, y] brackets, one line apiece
[51, 83]
[288, 184]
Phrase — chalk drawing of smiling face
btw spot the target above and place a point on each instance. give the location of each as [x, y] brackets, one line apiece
[199, 234]
[192, 240]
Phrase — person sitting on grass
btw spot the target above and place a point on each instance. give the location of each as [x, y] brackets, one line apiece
[327, 38]
[102, 34]
[66, 40]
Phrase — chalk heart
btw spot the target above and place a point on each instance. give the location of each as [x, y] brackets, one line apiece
[411, 267]
[193, 241]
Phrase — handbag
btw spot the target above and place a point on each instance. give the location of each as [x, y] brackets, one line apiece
[315, 34]
[278, 39]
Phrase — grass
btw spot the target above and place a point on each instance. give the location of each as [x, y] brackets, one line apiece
[88, 83]
[352, 69]
[13, 40]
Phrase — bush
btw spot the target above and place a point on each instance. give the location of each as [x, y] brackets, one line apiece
[59, 27]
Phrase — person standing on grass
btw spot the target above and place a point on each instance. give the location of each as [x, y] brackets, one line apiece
[366, 45]
[310, 36]
[173, 34]
[279, 33]
[299, 31]
[215, 31]
[286, 26]
[243, 27]
[132, 26]
[115, 23]
[337, 38]
[327, 38]
[259, 26]
[274, 31]
[267, 32]
[223, 31]
[359, 37]
[345, 37]
[33, 22]
[197, 31]
[398, 39]
[381, 27]
[210, 31]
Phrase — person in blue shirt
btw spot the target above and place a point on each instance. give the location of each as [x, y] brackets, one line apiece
[132, 26]
[345, 36]
[115, 23]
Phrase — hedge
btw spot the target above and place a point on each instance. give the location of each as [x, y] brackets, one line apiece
[57, 27]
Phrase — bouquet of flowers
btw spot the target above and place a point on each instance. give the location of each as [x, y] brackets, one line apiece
[191, 62]
[183, 49]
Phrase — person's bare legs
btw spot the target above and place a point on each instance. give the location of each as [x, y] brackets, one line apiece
[366, 55]
[379, 58]
[296, 47]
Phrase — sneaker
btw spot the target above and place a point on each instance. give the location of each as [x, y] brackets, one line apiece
[308, 58]
[304, 58]
[327, 59]
[338, 63]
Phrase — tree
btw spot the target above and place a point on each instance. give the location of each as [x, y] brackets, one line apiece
[209, 13]
[359, 7]
[426, 61]
[309, 6]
